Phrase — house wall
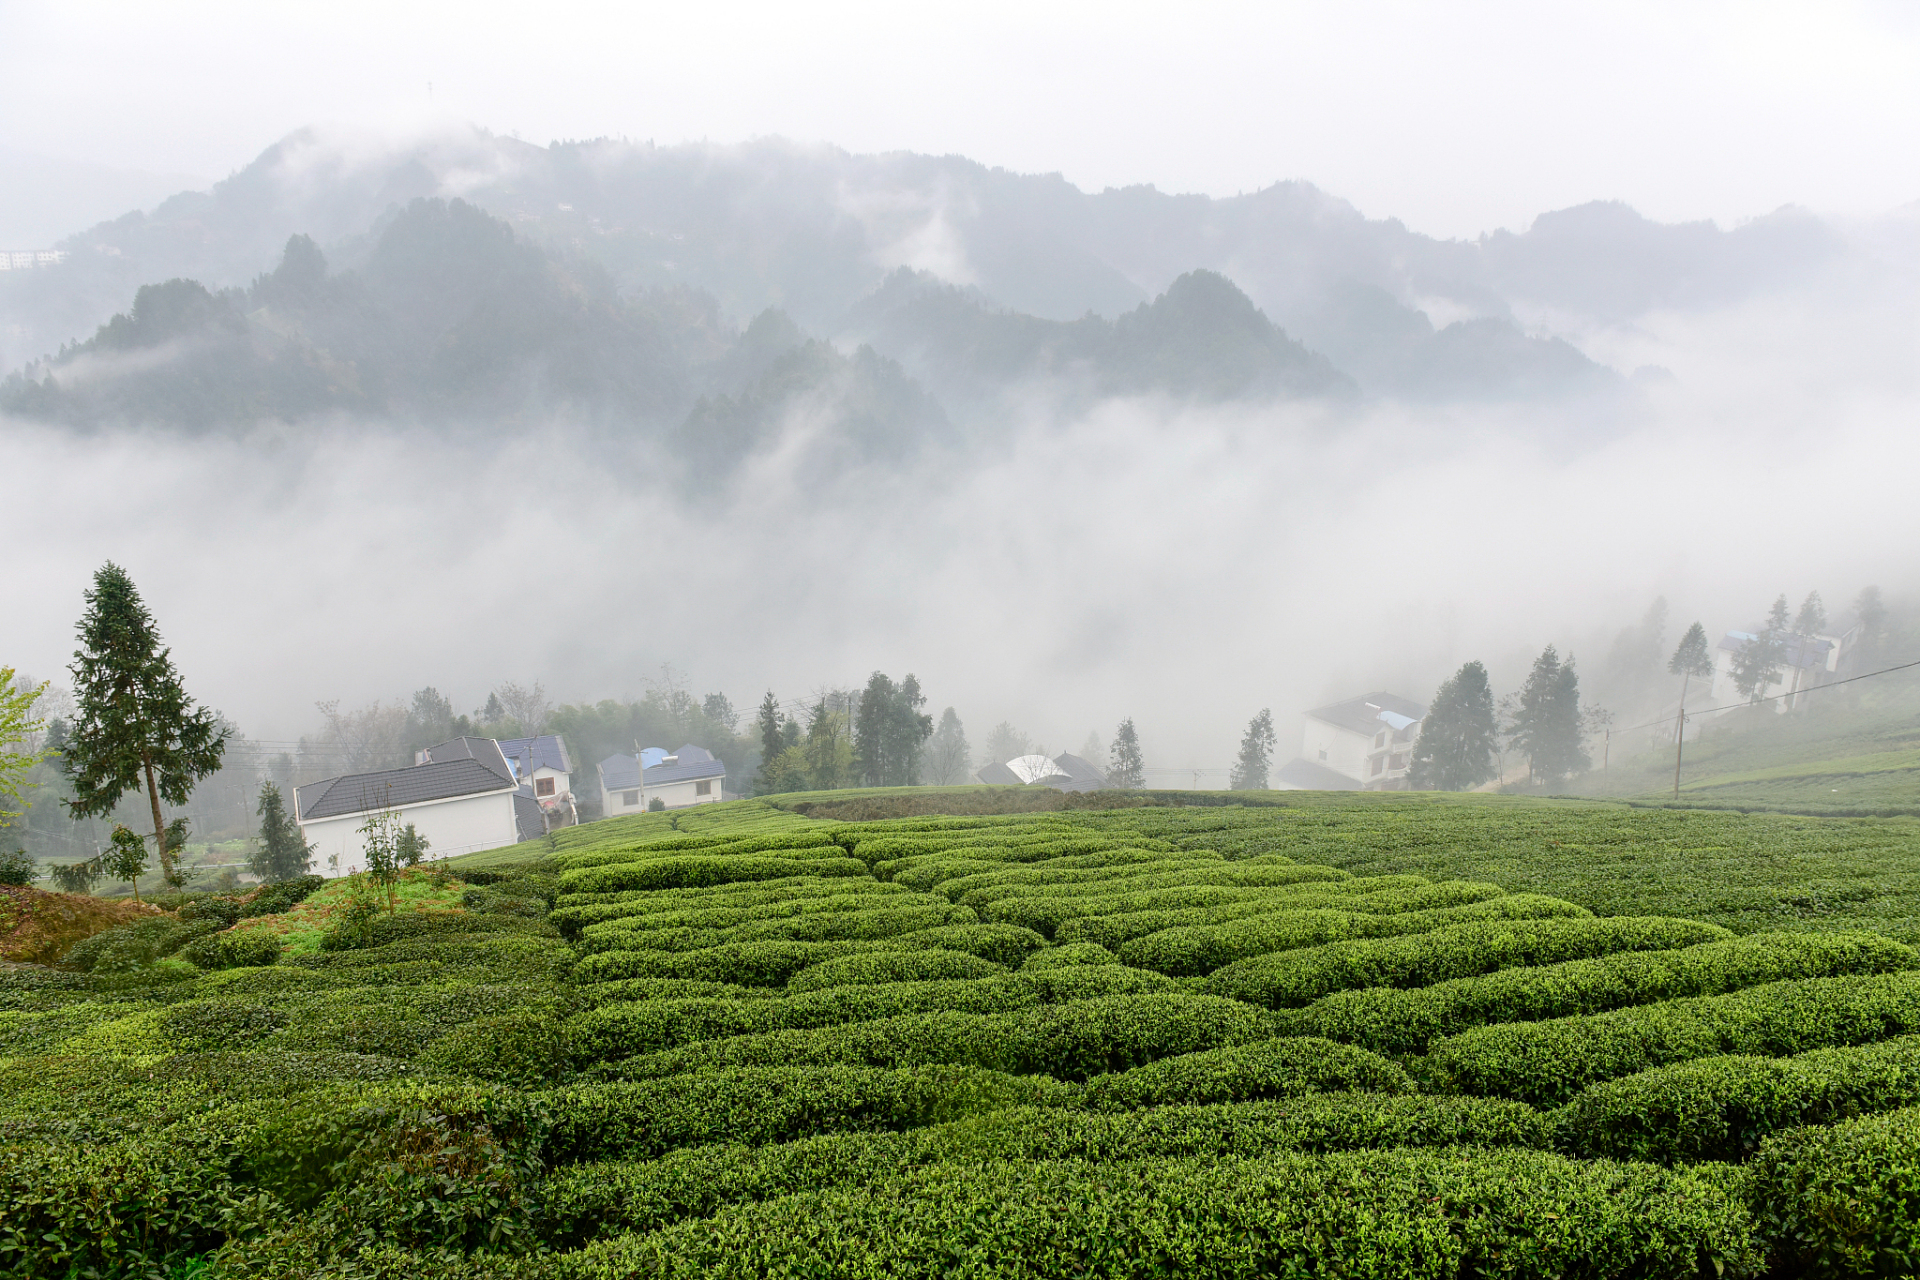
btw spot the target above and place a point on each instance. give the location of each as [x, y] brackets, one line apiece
[675, 795]
[1341, 750]
[562, 783]
[466, 824]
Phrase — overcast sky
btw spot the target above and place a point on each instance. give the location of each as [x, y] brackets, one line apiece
[1457, 118]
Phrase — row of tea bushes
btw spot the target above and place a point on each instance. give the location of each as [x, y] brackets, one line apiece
[1401, 1020]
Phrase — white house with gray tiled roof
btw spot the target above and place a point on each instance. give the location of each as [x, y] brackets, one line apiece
[463, 799]
[686, 777]
[1361, 744]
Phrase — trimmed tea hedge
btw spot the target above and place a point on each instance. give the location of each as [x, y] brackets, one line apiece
[689, 872]
[1291, 978]
[1546, 1063]
[1194, 952]
[1278, 1068]
[1723, 1108]
[1841, 1200]
[1394, 1020]
[1384, 1214]
[603, 1199]
[1068, 1041]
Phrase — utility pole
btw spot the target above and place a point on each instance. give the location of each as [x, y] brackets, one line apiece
[1606, 750]
[1679, 750]
[640, 772]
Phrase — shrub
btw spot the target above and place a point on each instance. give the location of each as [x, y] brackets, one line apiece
[18, 868]
[1840, 1200]
[1063, 983]
[1384, 1214]
[693, 871]
[894, 966]
[1394, 1020]
[756, 1105]
[1072, 954]
[515, 1049]
[696, 1182]
[1723, 1108]
[1290, 978]
[1193, 952]
[1240, 1073]
[272, 899]
[212, 1026]
[1546, 1063]
[225, 950]
[1069, 1041]
[134, 946]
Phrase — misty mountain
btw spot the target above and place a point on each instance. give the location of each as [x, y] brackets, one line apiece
[1202, 339]
[817, 232]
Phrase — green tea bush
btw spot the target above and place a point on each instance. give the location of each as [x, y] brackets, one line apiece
[272, 899]
[1546, 1063]
[603, 1199]
[885, 922]
[1278, 1068]
[1399, 1020]
[135, 946]
[1723, 1108]
[756, 1105]
[1292, 978]
[1073, 954]
[815, 842]
[642, 913]
[986, 887]
[1384, 1214]
[225, 950]
[1062, 983]
[771, 964]
[686, 872]
[516, 1049]
[1068, 1041]
[870, 967]
[1199, 951]
[1841, 1201]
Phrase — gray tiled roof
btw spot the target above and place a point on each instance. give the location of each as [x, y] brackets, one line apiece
[622, 773]
[484, 750]
[526, 818]
[1357, 715]
[394, 788]
[544, 751]
[998, 775]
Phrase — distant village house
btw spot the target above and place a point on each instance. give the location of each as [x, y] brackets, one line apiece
[678, 780]
[1361, 744]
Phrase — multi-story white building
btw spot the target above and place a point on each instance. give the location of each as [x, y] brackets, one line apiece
[1361, 744]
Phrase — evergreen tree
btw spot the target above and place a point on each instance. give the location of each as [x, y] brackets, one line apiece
[1454, 751]
[280, 853]
[828, 752]
[412, 846]
[1256, 754]
[125, 859]
[1812, 618]
[1756, 665]
[1546, 725]
[1004, 743]
[890, 731]
[1126, 768]
[771, 743]
[135, 722]
[948, 752]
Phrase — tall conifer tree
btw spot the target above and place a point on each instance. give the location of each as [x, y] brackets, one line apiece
[1126, 768]
[1547, 727]
[281, 853]
[1256, 753]
[135, 725]
[1457, 739]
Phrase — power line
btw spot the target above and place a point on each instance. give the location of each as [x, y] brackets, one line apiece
[1792, 693]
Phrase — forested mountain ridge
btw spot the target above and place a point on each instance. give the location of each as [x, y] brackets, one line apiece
[818, 233]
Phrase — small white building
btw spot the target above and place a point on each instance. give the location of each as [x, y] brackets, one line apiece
[1361, 744]
[463, 799]
[1063, 772]
[545, 771]
[678, 780]
[1805, 661]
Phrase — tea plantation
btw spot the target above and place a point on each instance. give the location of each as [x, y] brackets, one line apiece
[1380, 1036]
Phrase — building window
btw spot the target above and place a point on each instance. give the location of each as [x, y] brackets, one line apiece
[543, 786]
[703, 788]
[1398, 762]
[1323, 753]
[629, 798]
[1380, 738]
[1379, 763]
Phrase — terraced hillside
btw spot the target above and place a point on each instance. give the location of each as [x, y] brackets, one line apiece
[1382, 1036]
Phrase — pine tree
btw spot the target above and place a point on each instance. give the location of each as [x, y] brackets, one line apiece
[1812, 618]
[135, 722]
[771, 743]
[1457, 739]
[890, 731]
[1547, 725]
[280, 853]
[948, 752]
[1126, 768]
[1256, 754]
[1756, 665]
